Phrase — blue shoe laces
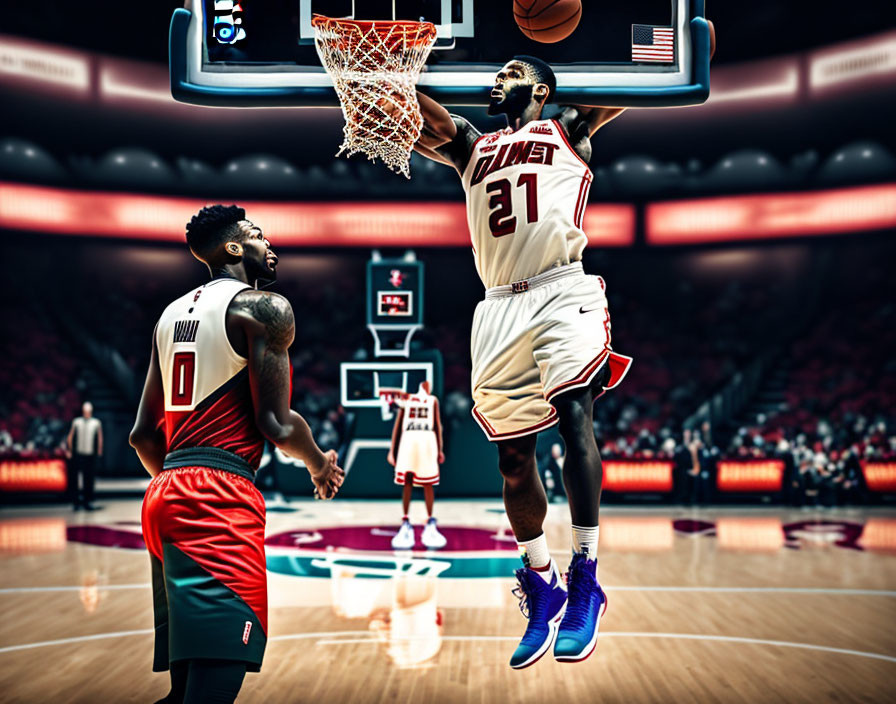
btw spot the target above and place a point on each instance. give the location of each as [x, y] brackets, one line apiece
[532, 598]
[523, 590]
[581, 584]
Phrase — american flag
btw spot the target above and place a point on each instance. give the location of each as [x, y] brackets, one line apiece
[651, 43]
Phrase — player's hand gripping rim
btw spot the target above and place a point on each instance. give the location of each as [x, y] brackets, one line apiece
[328, 477]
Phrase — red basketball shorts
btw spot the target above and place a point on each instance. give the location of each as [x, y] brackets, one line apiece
[204, 529]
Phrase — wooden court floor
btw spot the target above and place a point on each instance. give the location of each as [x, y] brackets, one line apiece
[734, 605]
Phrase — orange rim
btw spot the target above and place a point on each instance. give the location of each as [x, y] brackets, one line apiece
[421, 32]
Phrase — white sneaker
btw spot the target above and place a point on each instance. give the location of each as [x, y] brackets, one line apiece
[431, 536]
[404, 539]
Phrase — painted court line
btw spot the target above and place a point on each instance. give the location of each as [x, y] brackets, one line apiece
[609, 588]
[149, 631]
[337, 638]
[78, 639]
[672, 636]
[19, 590]
[761, 590]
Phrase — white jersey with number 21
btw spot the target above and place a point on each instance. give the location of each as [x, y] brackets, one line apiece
[526, 195]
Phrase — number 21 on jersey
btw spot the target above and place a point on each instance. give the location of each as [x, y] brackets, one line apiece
[502, 221]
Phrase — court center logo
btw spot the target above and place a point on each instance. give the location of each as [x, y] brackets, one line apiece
[362, 551]
[366, 551]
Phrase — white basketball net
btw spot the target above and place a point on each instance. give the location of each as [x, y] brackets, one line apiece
[375, 67]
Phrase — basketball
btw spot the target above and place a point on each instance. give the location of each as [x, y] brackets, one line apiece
[547, 21]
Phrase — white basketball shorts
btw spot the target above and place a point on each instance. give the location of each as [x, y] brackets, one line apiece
[533, 340]
[418, 453]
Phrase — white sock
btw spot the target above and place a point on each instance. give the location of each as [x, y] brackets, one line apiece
[585, 538]
[537, 552]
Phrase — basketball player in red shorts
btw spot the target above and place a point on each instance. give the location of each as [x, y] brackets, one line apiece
[218, 386]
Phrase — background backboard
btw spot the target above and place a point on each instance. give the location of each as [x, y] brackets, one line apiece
[255, 53]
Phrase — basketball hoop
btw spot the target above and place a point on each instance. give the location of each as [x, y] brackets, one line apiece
[375, 66]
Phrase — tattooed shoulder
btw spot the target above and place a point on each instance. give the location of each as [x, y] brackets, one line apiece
[273, 312]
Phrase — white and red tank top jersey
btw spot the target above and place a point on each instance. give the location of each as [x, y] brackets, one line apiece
[419, 412]
[526, 195]
[208, 401]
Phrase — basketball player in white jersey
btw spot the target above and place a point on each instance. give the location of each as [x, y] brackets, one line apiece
[218, 386]
[541, 338]
[416, 453]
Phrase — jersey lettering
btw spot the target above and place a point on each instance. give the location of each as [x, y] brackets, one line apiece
[185, 330]
[526, 193]
[529, 152]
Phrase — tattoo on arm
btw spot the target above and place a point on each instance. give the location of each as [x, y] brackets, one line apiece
[270, 328]
[275, 313]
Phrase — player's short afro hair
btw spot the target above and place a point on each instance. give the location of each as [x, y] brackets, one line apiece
[211, 225]
[543, 72]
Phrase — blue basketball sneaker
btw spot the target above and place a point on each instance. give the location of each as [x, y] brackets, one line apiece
[543, 603]
[577, 637]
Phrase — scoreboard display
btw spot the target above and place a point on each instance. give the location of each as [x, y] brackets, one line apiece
[395, 304]
[395, 293]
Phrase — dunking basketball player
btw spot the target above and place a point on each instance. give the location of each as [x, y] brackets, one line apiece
[416, 453]
[541, 338]
[218, 385]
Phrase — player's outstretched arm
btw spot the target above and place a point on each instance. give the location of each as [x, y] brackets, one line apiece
[147, 437]
[445, 138]
[268, 323]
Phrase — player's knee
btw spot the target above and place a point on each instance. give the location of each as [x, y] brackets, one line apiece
[516, 459]
[515, 469]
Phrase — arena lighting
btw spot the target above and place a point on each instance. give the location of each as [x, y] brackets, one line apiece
[854, 64]
[162, 219]
[42, 65]
[749, 476]
[775, 79]
[609, 225]
[32, 475]
[774, 215]
[880, 476]
[116, 84]
[637, 476]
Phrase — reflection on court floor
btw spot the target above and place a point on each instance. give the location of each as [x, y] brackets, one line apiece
[726, 595]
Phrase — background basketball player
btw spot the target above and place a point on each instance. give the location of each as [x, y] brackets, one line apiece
[218, 385]
[416, 454]
[541, 338]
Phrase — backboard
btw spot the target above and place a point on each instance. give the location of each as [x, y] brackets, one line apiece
[369, 391]
[261, 52]
[394, 303]
[377, 384]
